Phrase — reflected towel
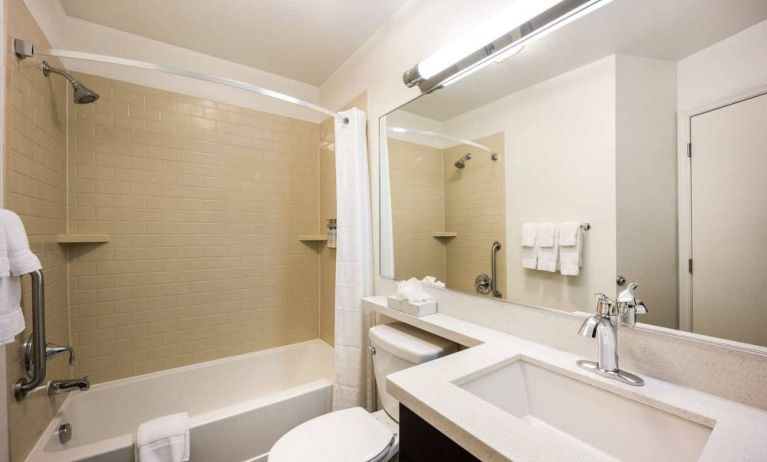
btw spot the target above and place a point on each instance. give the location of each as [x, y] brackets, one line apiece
[548, 250]
[529, 251]
[165, 439]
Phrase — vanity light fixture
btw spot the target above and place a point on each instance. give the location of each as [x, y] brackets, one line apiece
[501, 36]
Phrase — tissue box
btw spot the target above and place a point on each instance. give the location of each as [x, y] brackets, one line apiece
[415, 309]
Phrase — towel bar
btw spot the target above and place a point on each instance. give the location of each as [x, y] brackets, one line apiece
[23, 387]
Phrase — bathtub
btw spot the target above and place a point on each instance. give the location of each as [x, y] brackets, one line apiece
[238, 406]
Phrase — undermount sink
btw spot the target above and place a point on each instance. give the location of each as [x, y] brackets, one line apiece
[570, 410]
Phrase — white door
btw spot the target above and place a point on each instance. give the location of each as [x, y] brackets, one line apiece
[729, 221]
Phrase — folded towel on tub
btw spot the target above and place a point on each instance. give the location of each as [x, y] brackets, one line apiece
[165, 439]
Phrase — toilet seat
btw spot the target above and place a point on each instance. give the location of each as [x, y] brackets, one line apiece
[350, 435]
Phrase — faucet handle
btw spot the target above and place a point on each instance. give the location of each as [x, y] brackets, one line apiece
[52, 350]
[605, 305]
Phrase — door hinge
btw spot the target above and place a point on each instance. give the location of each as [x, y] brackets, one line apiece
[689, 265]
[689, 149]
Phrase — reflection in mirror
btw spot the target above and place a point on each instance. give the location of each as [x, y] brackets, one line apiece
[590, 124]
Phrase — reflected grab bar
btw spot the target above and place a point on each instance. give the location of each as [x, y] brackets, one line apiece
[493, 270]
[23, 387]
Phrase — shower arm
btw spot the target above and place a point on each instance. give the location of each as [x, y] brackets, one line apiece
[48, 69]
[26, 49]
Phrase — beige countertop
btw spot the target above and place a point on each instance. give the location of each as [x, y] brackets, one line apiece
[739, 432]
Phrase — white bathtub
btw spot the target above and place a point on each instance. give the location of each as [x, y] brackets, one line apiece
[238, 406]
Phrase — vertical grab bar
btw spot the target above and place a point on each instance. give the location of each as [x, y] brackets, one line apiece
[493, 270]
[23, 387]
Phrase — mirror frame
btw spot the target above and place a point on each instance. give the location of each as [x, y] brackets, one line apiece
[682, 121]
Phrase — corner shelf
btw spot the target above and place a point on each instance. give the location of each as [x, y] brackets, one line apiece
[82, 238]
[444, 234]
[312, 237]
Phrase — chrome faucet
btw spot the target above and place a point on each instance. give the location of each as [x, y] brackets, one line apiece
[629, 306]
[56, 387]
[604, 327]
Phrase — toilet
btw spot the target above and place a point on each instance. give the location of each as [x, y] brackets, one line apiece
[354, 435]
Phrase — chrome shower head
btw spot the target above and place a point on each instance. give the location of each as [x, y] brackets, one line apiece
[81, 93]
[461, 163]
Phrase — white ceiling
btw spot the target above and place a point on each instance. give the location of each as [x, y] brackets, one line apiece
[305, 40]
[660, 29]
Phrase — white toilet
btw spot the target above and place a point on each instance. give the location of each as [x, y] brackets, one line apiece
[354, 435]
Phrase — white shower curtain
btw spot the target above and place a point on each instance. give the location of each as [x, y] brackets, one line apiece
[387, 233]
[354, 262]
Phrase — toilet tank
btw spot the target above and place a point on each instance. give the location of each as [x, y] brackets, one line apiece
[399, 346]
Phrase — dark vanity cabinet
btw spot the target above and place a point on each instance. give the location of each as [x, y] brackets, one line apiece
[420, 442]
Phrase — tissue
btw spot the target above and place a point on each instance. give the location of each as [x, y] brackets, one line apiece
[412, 290]
[412, 299]
[433, 281]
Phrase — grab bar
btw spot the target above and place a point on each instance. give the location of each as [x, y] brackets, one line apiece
[493, 270]
[23, 387]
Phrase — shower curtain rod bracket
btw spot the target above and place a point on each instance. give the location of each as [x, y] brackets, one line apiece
[25, 49]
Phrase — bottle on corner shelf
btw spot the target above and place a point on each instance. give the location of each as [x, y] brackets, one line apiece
[332, 233]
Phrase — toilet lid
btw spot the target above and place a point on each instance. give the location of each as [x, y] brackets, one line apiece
[350, 435]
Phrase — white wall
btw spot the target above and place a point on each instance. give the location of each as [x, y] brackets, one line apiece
[646, 183]
[75, 34]
[560, 166]
[728, 69]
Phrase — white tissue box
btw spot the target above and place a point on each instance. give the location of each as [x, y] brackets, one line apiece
[424, 308]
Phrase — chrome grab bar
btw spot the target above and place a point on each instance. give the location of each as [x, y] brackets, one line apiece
[493, 270]
[23, 387]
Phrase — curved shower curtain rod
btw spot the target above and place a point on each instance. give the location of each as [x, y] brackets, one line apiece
[442, 136]
[26, 49]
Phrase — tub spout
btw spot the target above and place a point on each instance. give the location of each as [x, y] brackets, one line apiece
[56, 387]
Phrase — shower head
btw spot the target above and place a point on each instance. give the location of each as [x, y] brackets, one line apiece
[82, 94]
[461, 163]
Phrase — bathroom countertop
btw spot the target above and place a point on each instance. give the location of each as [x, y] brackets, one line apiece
[739, 431]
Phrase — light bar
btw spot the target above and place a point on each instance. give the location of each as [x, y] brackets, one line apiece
[510, 29]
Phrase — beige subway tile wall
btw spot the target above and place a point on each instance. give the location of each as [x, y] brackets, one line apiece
[204, 203]
[475, 208]
[327, 211]
[35, 188]
[418, 209]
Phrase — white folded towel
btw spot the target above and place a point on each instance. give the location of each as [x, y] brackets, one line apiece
[21, 259]
[165, 439]
[5, 264]
[15, 259]
[548, 250]
[570, 248]
[529, 251]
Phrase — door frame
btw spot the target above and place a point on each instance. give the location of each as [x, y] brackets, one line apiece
[684, 196]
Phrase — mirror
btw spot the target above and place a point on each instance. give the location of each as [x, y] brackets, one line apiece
[567, 164]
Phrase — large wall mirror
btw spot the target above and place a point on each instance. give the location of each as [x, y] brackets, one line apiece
[564, 169]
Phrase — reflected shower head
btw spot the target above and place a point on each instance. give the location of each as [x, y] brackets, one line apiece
[461, 163]
[81, 93]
